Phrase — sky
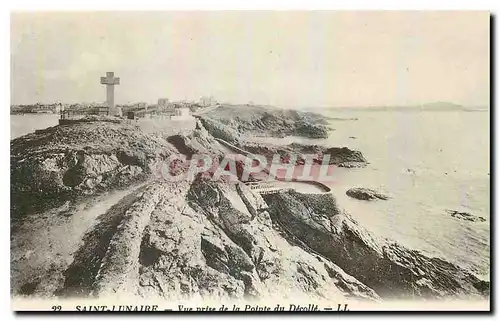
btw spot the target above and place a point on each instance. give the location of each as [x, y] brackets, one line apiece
[294, 58]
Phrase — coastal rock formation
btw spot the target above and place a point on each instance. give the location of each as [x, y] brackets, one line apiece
[61, 163]
[466, 216]
[219, 130]
[315, 223]
[210, 239]
[185, 240]
[198, 142]
[365, 194]
[267, 121]
[342, 157]
[101, 222]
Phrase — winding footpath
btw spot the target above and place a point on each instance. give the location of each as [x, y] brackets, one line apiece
[275, 186]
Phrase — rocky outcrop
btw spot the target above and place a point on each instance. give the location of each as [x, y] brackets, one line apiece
[342, 157]
[267, 121]
[191, 239]
[314, 222]
[306, 129]
[210, 239]
[242, 250]
[219, 130]
[345, 157]
[198, 142]
[365, 194]
[466, 216]
[199, 240]
[62, 163]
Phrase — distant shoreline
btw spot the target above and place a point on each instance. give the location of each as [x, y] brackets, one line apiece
[398, 109]
[33, 113]
[436, 106]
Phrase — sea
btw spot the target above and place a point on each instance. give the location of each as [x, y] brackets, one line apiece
[427, 161]
[24, 124]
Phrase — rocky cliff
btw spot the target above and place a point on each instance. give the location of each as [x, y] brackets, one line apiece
[184, 240]
[91, 217]
[316, 223]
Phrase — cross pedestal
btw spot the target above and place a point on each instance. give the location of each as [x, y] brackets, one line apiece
[110, 81]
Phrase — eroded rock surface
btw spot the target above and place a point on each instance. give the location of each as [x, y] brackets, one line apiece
[264, 121]
[203, 239]
[210, 239]
[340, 156]
[102, 223]
[61, 163]
[365, 194]
[392, 270]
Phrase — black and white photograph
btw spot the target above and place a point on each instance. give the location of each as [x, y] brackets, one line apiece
[250, 161]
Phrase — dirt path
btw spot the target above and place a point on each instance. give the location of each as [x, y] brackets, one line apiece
[42, 247]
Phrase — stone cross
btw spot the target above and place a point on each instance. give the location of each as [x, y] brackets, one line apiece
[110, 81]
